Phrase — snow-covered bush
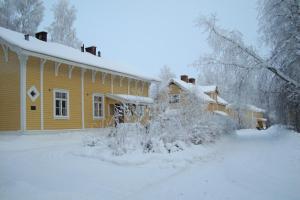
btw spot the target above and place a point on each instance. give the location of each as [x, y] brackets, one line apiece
[169, 129]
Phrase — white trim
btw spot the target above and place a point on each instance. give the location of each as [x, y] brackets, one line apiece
[121, 81]
[68, 104]
[85, 66]
[82, 99]
[56, 68]
[42, 64]
[33, 88]
[103, 77]
[23, 60]
[112, 77]
[143, 85]
[94, 72]
[5, 53]
[103, 112]
[128, 86]
[70, 69]
[17, 48]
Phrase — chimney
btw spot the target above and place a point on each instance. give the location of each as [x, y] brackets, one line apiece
[82, 48]
[26, 36]
[184, 78]
[41, 36]
[91, 49]
[192, 80]
[99, 53]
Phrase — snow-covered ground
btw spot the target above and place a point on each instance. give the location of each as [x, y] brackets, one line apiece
[249, 164]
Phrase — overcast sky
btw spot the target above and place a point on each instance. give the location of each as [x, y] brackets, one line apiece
[147, 34]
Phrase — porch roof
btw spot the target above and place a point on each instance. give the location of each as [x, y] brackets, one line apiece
[138, 100]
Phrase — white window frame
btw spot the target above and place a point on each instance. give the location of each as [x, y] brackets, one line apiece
[102, 107]
[54, 104]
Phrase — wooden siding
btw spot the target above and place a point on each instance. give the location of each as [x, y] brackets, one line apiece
[33, 79]
[9, 92]
[73, 86]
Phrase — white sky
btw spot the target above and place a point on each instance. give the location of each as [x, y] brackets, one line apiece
[147, 34]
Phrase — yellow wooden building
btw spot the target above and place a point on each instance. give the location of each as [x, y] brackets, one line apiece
[209, 94]
[46, 86]
[249, 116]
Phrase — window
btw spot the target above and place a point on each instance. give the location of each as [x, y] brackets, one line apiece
[98, 106]
[174, 98]
[61, 104]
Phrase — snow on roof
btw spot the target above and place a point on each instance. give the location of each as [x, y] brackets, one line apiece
[247, 106]
[221, 113]
[261, 119]
[192, 88]
[254, 108]
[131, 98]
[60, 51]
[221, 101]
[208, 88]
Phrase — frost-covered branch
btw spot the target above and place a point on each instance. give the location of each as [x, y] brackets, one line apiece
[222, 36]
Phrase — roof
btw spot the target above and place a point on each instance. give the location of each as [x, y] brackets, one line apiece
[208, 88]
[221, 113]
[192, 88]
[221, 101]
[54, 50]
[261, 119]
[247, 107]
[131, 99]
[254, 108]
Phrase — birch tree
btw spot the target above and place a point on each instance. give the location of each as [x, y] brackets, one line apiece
[229, 51]
[62, 29]
[23, 16]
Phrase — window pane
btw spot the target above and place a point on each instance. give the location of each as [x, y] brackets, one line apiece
[100, 112]
[57, 112]
[64, 95]
[64, 112]
[96, 110]
[64, 104]
[99, 109]
[57, 103]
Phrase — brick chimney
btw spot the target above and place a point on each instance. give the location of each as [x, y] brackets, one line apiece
[192, 80]
[41, 36]
[184, 78]
[91, 49]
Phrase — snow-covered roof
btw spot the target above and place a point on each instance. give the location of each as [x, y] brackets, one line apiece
[221, 100]
[261, 119]
[208, 88]
[131, 99]
[254, 108]
[192, 88]
[221, 113]
[247, 106]
[58, 51]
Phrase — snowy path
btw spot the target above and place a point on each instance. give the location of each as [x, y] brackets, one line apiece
[247, 165]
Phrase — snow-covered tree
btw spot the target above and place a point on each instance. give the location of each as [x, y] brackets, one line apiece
[62, 29]
[166, 74]
[279, 23]
[229, 51]
[7, 14]
[23, 16]
[29, 15]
